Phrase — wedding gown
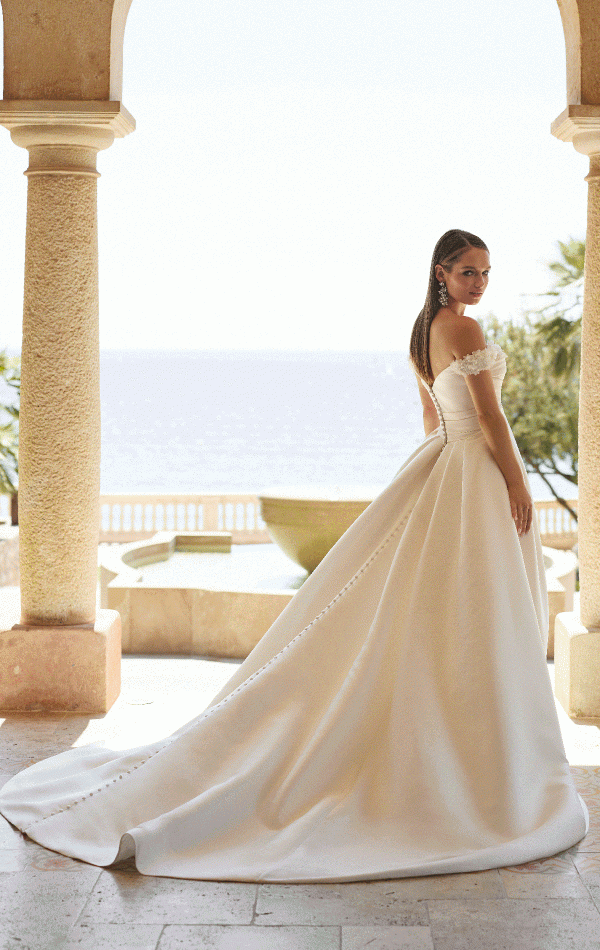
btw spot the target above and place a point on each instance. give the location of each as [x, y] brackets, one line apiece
[396, 720]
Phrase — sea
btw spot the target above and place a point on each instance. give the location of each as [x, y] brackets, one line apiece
[244, 421]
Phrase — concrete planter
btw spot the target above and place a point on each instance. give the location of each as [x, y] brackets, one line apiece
[307, 522]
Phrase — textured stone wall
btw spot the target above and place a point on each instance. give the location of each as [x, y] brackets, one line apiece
[589, 413]
[60, 408]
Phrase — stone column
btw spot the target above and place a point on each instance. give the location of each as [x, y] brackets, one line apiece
[577, 638]
[60, 655]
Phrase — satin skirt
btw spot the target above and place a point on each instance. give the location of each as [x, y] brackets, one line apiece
[396, 720]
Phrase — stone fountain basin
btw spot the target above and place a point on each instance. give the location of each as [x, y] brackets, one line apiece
[188, 593]
[306, 521]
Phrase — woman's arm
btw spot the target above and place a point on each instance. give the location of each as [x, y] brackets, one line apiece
[465, 339]
[430, 416]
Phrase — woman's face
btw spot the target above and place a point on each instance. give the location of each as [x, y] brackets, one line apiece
[469, 277]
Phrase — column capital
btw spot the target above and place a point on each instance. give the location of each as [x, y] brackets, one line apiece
[66, 114]
[579, 124]
[64, 137]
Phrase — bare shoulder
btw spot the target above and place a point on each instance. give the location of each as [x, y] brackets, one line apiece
[462, 335]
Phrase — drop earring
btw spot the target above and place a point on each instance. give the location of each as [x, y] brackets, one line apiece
[443, 294]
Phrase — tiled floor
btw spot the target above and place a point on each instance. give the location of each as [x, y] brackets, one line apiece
[48, 902]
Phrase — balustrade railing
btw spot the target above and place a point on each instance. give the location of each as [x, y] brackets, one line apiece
[128, 517]
[558, 528]
[133, 517]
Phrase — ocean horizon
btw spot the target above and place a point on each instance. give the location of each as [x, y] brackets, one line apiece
[194, 421]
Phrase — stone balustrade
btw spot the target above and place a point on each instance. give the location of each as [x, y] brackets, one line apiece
[558, 528]
[126, 518]
[134, 517]
[129, 517]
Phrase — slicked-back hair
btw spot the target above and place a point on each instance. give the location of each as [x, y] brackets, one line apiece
[450, 247]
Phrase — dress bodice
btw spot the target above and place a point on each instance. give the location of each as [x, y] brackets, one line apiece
[451, 396]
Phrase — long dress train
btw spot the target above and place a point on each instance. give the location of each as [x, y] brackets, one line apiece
[397, 719]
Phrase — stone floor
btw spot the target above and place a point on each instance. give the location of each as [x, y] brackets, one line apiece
[49, 902]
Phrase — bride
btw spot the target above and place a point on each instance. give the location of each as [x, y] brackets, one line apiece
[397, 719]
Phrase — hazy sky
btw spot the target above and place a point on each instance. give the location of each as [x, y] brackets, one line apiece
[295, 162]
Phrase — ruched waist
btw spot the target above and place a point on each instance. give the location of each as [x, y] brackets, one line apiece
[451, 434]
[456, 432]
[457, 426]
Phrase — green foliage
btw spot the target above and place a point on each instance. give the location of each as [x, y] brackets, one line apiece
[10, 382]
[559, 321]
[541, 391]
[541, 410]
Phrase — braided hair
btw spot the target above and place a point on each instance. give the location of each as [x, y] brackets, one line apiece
[450, 247]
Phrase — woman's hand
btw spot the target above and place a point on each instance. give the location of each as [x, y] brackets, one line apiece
[521, 507]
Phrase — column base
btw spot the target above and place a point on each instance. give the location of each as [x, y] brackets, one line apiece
[577, 668]
[66, 669]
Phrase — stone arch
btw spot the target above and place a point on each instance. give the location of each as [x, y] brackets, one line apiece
[581, 26]
[72, 50]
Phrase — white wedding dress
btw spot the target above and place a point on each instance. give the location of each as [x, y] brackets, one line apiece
[396, 720]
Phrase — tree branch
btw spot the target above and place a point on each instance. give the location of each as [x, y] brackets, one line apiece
[560, 500]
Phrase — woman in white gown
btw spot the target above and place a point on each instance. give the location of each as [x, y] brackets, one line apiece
[397, 719]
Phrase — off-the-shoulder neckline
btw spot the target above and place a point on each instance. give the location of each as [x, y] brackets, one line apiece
[488, 346]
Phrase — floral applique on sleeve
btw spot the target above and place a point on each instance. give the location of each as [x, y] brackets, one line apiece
[477, 361]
